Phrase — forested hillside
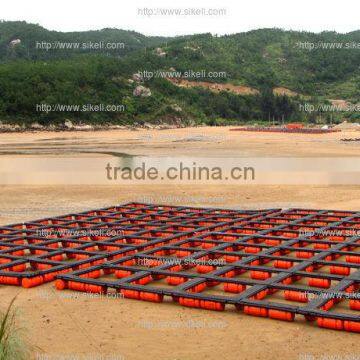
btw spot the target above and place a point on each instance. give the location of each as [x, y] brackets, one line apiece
[144, 76]
[38, 43]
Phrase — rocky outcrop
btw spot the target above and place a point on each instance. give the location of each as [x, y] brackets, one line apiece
[68, 124]
[160, 52]
[14, 42]
[176, 107]
[137, 77]
[142, 91]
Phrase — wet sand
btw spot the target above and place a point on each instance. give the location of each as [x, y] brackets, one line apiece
[202, 141]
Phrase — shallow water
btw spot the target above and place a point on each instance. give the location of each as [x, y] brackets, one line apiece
[111, 168]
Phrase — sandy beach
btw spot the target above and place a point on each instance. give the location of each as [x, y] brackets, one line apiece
[57, 324]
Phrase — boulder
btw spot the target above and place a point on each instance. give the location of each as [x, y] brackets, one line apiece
[160, 52]
[14, 42]
[176, 107]
[68, 124]
[137, 77]
[142, 91]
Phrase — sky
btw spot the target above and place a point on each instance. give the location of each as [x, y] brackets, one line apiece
[235, 15]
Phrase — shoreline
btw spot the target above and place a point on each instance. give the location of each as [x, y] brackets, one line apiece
[69, 126]
[9, 128]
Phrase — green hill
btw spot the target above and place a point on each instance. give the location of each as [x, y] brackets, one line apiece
[272, 57]
[314, 66]
[37, 43]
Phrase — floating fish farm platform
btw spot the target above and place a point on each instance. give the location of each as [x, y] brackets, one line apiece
[280, 264]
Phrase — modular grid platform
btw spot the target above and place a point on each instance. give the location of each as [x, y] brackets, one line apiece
[280, 264]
